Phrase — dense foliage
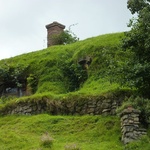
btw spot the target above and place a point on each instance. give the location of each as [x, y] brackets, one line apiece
[12, 77]
[137, 69]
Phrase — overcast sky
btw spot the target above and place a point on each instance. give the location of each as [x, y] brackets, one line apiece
[22, 22]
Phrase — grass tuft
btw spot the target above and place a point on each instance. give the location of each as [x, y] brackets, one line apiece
[72, 146]
[47, 140]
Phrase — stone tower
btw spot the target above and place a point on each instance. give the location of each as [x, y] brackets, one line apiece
[54, 28]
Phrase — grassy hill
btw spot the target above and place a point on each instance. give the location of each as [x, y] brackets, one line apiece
[55, 72]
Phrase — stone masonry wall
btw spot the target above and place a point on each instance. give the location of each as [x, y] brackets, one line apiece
[96, 106]
[130, 125]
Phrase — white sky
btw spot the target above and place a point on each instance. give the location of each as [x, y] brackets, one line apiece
[22, 22]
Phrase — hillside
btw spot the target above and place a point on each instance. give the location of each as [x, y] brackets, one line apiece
[57, 69]
[56, 73]
[61, 76]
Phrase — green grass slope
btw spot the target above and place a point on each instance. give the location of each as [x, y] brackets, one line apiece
[87, 132]
[59, 74]
[58, 71]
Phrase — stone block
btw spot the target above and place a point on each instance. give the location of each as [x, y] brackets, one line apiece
[124, 117]
[90, 110]
[113, 111]
[25, 107]
[107, 101]
[136, 119]
[129, 134]
[106, 112]
[106, 105]
[130, 121]
[99, 104]
[29, 110]
[91, 106]
[127, 140]
[34, 108]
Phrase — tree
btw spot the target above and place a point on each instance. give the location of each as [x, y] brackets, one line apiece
[137, 40]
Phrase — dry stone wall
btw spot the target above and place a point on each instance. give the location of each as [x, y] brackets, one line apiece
[130, 125]
[93, 106]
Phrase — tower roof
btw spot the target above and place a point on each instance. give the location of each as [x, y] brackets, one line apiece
[55, 23]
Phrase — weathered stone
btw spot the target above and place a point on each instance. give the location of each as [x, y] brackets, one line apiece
[114, 103]
[106, 105]
[136, 119]
[28, 114]
[124, 117]
[25, 107]
[107, 101]
[29, 110]
[93, 103]
[129, 134]
[131, 121]
[127, 128]
[113, 111]
[12, 112]
[91, 106]
[84, 111]
[90, 110]
[106, 110]
[34, 108]
[127, 140]
[99, 104]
